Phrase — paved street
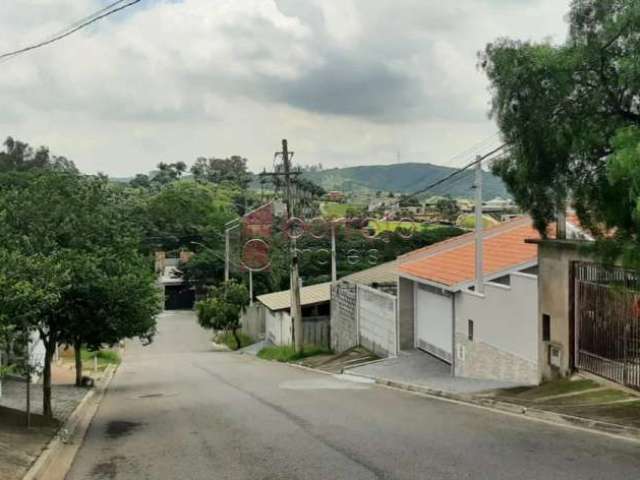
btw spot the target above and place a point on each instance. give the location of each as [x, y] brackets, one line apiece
[177, 410]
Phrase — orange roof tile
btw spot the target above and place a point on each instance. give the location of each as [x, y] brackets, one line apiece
[452, 262]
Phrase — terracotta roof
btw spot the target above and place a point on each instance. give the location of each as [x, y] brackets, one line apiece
[452, 262]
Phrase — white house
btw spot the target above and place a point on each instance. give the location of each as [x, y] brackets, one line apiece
[314, 300]
[491, 335]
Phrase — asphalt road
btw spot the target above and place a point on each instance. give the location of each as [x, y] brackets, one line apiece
[178, 410]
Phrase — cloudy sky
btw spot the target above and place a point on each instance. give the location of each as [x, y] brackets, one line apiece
[348, 82]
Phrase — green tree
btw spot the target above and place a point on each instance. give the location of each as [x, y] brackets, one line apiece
[569, 114]
[186, 211]
[82, 227]
[19, 156]
[223, 307]
[448, 209]
[220, 170]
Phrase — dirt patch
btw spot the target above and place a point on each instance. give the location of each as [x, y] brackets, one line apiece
[107, 470]
[118, 429]
[20, 446]
[16, 418]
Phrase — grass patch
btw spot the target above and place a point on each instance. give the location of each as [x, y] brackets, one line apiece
[620, 413]
[226, 338]
[382, 226]
[105, 357]
[556, 387]
[287, 353]
[590, 398]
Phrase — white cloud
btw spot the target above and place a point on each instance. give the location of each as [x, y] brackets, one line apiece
[348, 82]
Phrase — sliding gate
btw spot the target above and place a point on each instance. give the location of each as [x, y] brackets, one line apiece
[607, 322]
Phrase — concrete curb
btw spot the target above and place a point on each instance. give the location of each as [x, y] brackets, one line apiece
[612, 429]
[55, 460]
[557, 419]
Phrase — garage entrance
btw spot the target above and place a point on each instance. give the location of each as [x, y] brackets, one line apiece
[434, 322]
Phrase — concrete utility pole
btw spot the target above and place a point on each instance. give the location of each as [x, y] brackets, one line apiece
[296, 308]
[226, 254]
[334, 268]
[479, 228]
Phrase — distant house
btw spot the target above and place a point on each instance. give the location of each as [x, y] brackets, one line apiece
[274, 309]
[278, 322]
[177, 295]
[499, 203]
[490, 335]
[335, 196]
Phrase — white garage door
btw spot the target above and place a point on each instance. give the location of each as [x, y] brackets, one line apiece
[434, 325]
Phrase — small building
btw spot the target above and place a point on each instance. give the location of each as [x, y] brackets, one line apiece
[335, 196]
[278, 323]
[177, 295]
[490, 335]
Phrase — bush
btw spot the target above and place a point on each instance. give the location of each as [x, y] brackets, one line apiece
[226, 338]
[287, 353]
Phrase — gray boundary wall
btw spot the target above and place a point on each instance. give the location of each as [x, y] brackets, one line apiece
[377, 321]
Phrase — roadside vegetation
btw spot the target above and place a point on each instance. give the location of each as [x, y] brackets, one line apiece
[222, 308]
[104, 357]
[287, 353]
[227, 338]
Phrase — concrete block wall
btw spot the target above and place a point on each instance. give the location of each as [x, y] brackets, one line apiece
[344, 322]
[406, 313]
[377, 320]
[483, 361]
[253, 321]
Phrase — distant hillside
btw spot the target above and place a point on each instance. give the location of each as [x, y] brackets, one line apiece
[406, 178]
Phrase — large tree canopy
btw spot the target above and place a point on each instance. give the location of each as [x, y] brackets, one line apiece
[19, 155]
[76, 232]
[570, 114]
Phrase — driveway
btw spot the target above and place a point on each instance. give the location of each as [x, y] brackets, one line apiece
[177, 410]
[419, 368]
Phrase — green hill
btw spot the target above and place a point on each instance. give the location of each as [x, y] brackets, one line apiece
[405, 178]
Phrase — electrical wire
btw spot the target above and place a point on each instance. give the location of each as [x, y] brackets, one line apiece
[72, 29]
[453, 174]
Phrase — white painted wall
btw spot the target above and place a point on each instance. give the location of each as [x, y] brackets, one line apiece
[505, 317]
[278, 327]
[37, 353]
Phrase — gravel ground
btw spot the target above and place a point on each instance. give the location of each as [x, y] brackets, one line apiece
[64, 397]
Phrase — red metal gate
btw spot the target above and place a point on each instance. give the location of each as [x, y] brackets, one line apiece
[607, 322]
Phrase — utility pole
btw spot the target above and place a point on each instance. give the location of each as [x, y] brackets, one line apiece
[233, 224]
[479, 228]
[334, 268]
[296, 309]
[226, 254]
[250, 287]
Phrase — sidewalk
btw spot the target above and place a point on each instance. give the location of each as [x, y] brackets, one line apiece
[577, 402]
[417, 368]
[19, 446]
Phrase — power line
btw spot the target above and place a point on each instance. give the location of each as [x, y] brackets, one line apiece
[454, 174]
[88, 17]
[97, 16]
[463, 154]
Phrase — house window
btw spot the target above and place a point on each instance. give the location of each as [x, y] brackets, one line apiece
[470, 327]
[546, 328]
